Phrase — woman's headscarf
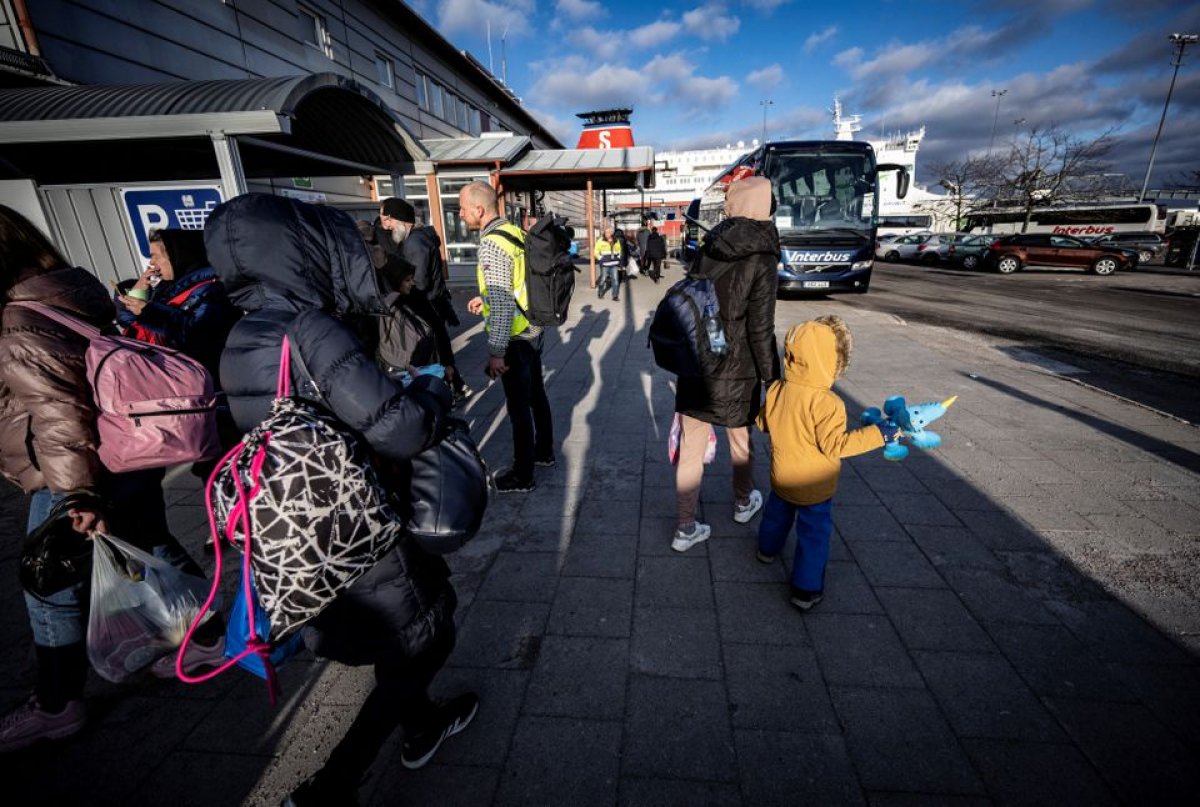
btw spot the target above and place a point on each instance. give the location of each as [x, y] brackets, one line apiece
[749, 198]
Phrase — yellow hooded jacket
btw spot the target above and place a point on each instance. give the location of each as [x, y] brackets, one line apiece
[807, 420]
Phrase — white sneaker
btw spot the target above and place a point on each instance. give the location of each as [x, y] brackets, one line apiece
[742, 513]
[686, 540]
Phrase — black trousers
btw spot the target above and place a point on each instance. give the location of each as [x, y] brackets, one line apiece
[527, 405]
[654, 268]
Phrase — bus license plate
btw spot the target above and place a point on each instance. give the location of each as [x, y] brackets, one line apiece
[816, 284]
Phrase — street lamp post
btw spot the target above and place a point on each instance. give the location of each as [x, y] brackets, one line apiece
[1180, 41]
[764, 104]
[997, 94]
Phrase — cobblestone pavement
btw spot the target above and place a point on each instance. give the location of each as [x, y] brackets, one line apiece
[1010, 619]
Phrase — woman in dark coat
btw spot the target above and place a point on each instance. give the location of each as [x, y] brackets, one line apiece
[741, 254]
[298, 270]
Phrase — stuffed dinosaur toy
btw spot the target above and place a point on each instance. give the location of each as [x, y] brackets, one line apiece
[911, 420]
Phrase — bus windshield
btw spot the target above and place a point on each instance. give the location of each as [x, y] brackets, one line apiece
[823, 191]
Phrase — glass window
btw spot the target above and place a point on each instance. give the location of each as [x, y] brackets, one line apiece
[476, 122]
[422, 91]
[315, 33]
[384, 72]
[461, 244]
[436, 91]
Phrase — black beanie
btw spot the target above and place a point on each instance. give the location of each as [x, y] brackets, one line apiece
[399, 210]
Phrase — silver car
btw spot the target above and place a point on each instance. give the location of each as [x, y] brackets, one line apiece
[904, 248]
[942, 242]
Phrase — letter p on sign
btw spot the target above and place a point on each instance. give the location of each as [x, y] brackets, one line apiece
[153, 217]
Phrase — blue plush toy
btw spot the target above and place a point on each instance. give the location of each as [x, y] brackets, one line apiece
[911, 420]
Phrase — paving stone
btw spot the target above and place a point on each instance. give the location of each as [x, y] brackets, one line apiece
[678, 729]
[889, 477]
[733, 559]
[777, 688]
[501, 694]
[758, 613]
[600, 517]
[787, 768]
[925, 800]
[436, 783]
[655, 535]
[1171, 692]
[237, 779]
[982, 696]
[896, 564]
[933, 619]
[591, 606]
[1135, 754]
[862, 524]
[992, 597]
[1115, 633]
[999, 530]
[1037, 774]
[639, 792]
[601, 556]
[860, 651]
[675, 642]
[1046, 575]
[521, 577]
[1054, 662]
[918, 508]
[953, 546]
[674, 582]
[506, 635]
[899, 741]
[562, 761]
[847, 591]
[959, 494]
[580, 677]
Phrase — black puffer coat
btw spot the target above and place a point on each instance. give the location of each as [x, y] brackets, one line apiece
[295, 269]
[743, 255]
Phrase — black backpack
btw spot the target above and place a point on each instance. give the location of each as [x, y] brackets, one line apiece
[549, 270]
[406, 339]
[687, 334]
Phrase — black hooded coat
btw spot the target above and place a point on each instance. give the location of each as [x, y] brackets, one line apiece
[743, 255]
[296, 270]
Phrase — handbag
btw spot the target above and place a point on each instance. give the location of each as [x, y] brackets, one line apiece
[54, 556]
[448, 491]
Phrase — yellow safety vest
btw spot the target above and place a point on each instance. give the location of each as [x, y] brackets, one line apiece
[519, 322]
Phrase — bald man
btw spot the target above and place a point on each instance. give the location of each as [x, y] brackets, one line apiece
[514, 343]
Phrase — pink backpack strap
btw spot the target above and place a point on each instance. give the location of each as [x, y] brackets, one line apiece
[50, 312]
[283, 386]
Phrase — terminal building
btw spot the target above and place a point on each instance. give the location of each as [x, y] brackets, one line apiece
[112, 123]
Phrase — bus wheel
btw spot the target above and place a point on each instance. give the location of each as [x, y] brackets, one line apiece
[1008, 264]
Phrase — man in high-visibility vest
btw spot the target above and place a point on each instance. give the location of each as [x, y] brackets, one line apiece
[514, 344]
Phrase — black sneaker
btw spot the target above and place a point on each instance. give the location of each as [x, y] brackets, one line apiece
[507, 481]
[805, 599]
[546, 461]
[453, 716]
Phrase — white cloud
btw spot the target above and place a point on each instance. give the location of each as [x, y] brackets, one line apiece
[849, 58]
[599, 45]
[673, 67]
[707, 94]
[711, 22]
[766, 5]
[472, 16]
[767, 77]
[565, 130]
[654, 34]
[580, 9]
[819, 37]
[574, 84]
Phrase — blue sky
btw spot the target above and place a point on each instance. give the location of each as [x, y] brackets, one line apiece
[696, 72]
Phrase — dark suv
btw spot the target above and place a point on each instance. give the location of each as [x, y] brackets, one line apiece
[1148, 245]
[1014, 252]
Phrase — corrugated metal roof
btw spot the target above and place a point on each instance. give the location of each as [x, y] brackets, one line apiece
[636, 158]
[475, 149]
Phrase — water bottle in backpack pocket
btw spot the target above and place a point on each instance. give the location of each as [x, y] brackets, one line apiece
[686, 334]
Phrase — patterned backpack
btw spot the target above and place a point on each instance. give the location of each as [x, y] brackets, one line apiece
[313, 518]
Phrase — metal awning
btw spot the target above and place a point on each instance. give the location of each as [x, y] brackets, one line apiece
[475, 150]
[571, 169]
[313, 125]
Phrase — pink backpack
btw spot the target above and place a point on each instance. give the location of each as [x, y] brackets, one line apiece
[155, 406]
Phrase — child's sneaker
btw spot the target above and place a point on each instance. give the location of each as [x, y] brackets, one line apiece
[27, 724]
[453, 716]
[763, 557]
[805, 599]
[684, 541]
[742, 513]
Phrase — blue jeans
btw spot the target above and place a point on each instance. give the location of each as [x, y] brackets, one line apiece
[814, 528]
[610, 278]
[139, 516]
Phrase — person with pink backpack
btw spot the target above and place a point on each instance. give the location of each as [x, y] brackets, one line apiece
[49, 447]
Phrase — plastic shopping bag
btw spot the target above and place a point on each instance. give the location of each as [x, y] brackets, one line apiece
[710, 451]
[141, 607]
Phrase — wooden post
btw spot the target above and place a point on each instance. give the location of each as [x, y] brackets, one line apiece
[591, 233]
[436, 219]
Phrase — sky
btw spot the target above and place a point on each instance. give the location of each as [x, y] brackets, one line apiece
[696, 72]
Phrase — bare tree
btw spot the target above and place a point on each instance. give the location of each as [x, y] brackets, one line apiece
[1049, 166]
[970, 184]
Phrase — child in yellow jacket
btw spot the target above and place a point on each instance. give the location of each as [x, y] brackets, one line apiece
[807, 424]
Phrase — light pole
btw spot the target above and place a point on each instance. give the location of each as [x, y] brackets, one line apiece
[764, 105]
[997, 94]
[1180, 41]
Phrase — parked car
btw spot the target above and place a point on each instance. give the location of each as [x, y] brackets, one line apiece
[1149, 246]
[882, 243]
[904, 248]
[1181, 247]
[1007, 255]
[968, 252]
[937, 248]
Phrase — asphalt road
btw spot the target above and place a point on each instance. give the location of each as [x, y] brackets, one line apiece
[1132, 334]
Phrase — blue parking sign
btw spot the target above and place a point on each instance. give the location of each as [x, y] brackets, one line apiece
[175, 207]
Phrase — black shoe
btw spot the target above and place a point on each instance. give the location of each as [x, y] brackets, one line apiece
[453, 716]
[805, 599]
[507, 481]
[546, 461]
[616, 299]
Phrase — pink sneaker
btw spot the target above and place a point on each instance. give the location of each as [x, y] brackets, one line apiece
[198, 655]
[27, 724]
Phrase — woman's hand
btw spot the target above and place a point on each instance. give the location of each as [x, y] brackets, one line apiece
[148, 278]
[87, 520]
[133, 304]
